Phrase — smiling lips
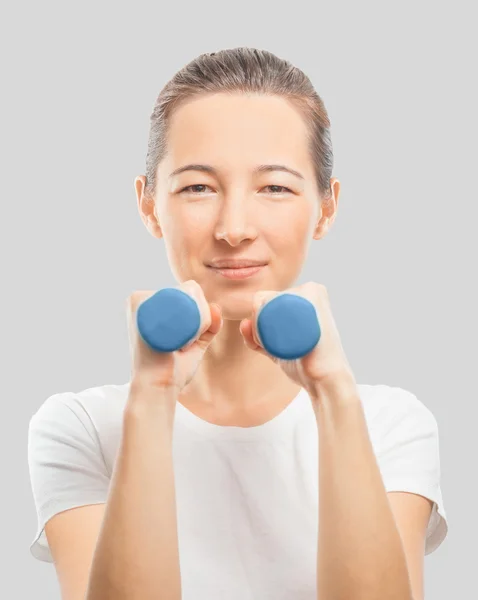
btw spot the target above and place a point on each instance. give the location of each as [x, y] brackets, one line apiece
[238, 273]
[237, 268]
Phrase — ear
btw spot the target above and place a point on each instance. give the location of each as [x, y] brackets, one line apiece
[328, 210]
[147, 207]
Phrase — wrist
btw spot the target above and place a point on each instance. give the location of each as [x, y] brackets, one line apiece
[147, 400]
[339, 388]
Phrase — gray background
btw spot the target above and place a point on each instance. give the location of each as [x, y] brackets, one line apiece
[399, 83]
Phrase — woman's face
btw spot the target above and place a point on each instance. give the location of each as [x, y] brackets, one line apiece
[235, 212]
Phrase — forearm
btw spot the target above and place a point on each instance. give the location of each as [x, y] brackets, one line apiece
[137, 555]
[360, 554]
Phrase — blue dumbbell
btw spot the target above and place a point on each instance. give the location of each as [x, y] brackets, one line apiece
[287, 325]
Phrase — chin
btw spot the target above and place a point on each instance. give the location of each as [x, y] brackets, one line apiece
[236, 304]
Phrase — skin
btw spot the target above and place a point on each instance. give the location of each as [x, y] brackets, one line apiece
[236, 214]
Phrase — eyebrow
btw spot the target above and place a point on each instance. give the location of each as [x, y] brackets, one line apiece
[259, 169]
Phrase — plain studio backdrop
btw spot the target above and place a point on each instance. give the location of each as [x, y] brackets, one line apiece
[399, 83]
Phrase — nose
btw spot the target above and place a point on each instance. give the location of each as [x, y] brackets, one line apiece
[234, 226]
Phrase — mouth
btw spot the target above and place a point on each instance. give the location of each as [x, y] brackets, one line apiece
[237, 273]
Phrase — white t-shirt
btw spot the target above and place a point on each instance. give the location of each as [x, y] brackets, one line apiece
[247, 497]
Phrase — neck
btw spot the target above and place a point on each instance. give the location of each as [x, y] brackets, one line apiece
[232, 377]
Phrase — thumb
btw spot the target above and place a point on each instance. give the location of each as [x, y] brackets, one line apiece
[216, 325]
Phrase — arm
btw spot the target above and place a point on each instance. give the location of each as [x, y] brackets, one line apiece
[412, 515]
[137, 556]
[360, 554]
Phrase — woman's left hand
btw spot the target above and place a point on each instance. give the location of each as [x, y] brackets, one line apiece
[327, 359]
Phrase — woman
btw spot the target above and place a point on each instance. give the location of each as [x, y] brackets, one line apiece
[199, 478]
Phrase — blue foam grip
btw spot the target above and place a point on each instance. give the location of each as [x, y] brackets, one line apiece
[288, 326]
[168, 319]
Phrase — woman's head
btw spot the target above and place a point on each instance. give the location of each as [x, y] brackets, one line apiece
[233, 111]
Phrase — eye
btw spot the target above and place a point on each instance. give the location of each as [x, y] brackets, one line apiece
[203, 185]
[280, 187]
[193, 186]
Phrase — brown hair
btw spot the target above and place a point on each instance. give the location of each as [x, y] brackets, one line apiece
[242, 70]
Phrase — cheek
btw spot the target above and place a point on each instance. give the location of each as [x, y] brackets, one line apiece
[187, 227]
[291, 235]
[191, 232]
[185, 238]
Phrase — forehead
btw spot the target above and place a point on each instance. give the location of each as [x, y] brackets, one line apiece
[237, 129]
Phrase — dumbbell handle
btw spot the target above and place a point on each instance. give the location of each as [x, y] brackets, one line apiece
[288, 325]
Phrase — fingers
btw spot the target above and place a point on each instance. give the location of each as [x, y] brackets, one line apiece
[260, 298]
[216, 318]
[247, 332]
[194, 290]
[209, 318]
[206, 338]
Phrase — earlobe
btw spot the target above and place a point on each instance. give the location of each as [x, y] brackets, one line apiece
[152, 223]
[156, 224]
[321, 229]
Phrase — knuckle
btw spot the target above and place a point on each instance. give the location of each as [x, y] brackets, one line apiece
[320, 287]
[192, 287]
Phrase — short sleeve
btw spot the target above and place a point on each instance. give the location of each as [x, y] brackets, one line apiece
[65, 462]
[409, 457]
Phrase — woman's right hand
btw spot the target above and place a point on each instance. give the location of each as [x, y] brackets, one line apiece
[172, 369]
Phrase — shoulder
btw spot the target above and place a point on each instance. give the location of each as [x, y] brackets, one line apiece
[72, 441]
[393, 411]
[381, 400]
[90, 406]
[92, 416]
